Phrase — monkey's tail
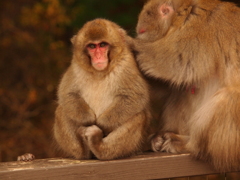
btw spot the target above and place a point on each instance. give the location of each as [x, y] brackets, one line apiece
[215, 131]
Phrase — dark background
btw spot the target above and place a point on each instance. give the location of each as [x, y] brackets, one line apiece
[35, 50]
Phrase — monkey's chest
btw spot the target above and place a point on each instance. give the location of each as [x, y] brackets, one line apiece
[98, 96]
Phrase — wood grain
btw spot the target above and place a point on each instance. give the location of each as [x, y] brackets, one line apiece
[145, 166]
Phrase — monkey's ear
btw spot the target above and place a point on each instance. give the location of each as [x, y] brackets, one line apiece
[122, 33]
[166, 10]
[73, 39]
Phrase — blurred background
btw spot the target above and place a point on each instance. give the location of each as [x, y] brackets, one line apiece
[35, 50]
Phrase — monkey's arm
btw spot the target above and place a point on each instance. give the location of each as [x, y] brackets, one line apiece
[123, 108]
[73, 105]
[77, 109]
[178, 61]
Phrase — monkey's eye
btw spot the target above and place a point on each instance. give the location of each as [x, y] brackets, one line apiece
[103, 44]
[92, 46]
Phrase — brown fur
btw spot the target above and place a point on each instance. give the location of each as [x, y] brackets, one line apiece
[195, 46]
[102, 112]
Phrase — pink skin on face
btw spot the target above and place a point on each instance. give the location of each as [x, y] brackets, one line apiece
[141, 31]
[99, 55]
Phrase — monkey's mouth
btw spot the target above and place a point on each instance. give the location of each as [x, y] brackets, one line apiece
[100, 65]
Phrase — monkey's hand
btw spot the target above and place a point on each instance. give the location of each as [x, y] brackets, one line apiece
[137, 45]
[130, 41]
[157, 143]
[93, 135]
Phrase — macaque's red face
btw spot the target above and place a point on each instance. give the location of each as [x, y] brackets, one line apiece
[98, 52]
[154, 20]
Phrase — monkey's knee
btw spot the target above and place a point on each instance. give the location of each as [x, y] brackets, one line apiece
[26, 157]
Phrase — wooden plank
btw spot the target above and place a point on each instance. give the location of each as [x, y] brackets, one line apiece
[198, 178]
[217, 177]
[181, 178]
[145, 166]
[233, 176]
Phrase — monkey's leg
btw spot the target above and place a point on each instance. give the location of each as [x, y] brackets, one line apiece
[174, 143]
[123, 141]
[215, 131]
[69, 137]
[170, 142]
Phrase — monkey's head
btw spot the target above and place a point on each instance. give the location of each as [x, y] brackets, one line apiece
[156, 18]
[98, 45]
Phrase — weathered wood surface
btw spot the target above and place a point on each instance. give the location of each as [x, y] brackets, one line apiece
[146, 166]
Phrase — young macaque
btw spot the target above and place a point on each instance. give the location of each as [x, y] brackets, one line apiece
[195, 46]
[102, 99]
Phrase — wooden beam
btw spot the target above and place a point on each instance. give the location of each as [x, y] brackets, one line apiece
[145, 166]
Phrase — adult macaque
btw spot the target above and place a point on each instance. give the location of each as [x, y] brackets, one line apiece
[102, 99]
[195, 46]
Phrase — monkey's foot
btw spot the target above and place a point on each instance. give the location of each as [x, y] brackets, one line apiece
[93, 134]
[157, 143]
[26, 157]
[174, 143]
[168, 145]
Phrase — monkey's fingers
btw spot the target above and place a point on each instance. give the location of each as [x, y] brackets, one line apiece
[93, 134]
[157, 143]
[168, 145]
[26, 157]
[174, 143]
